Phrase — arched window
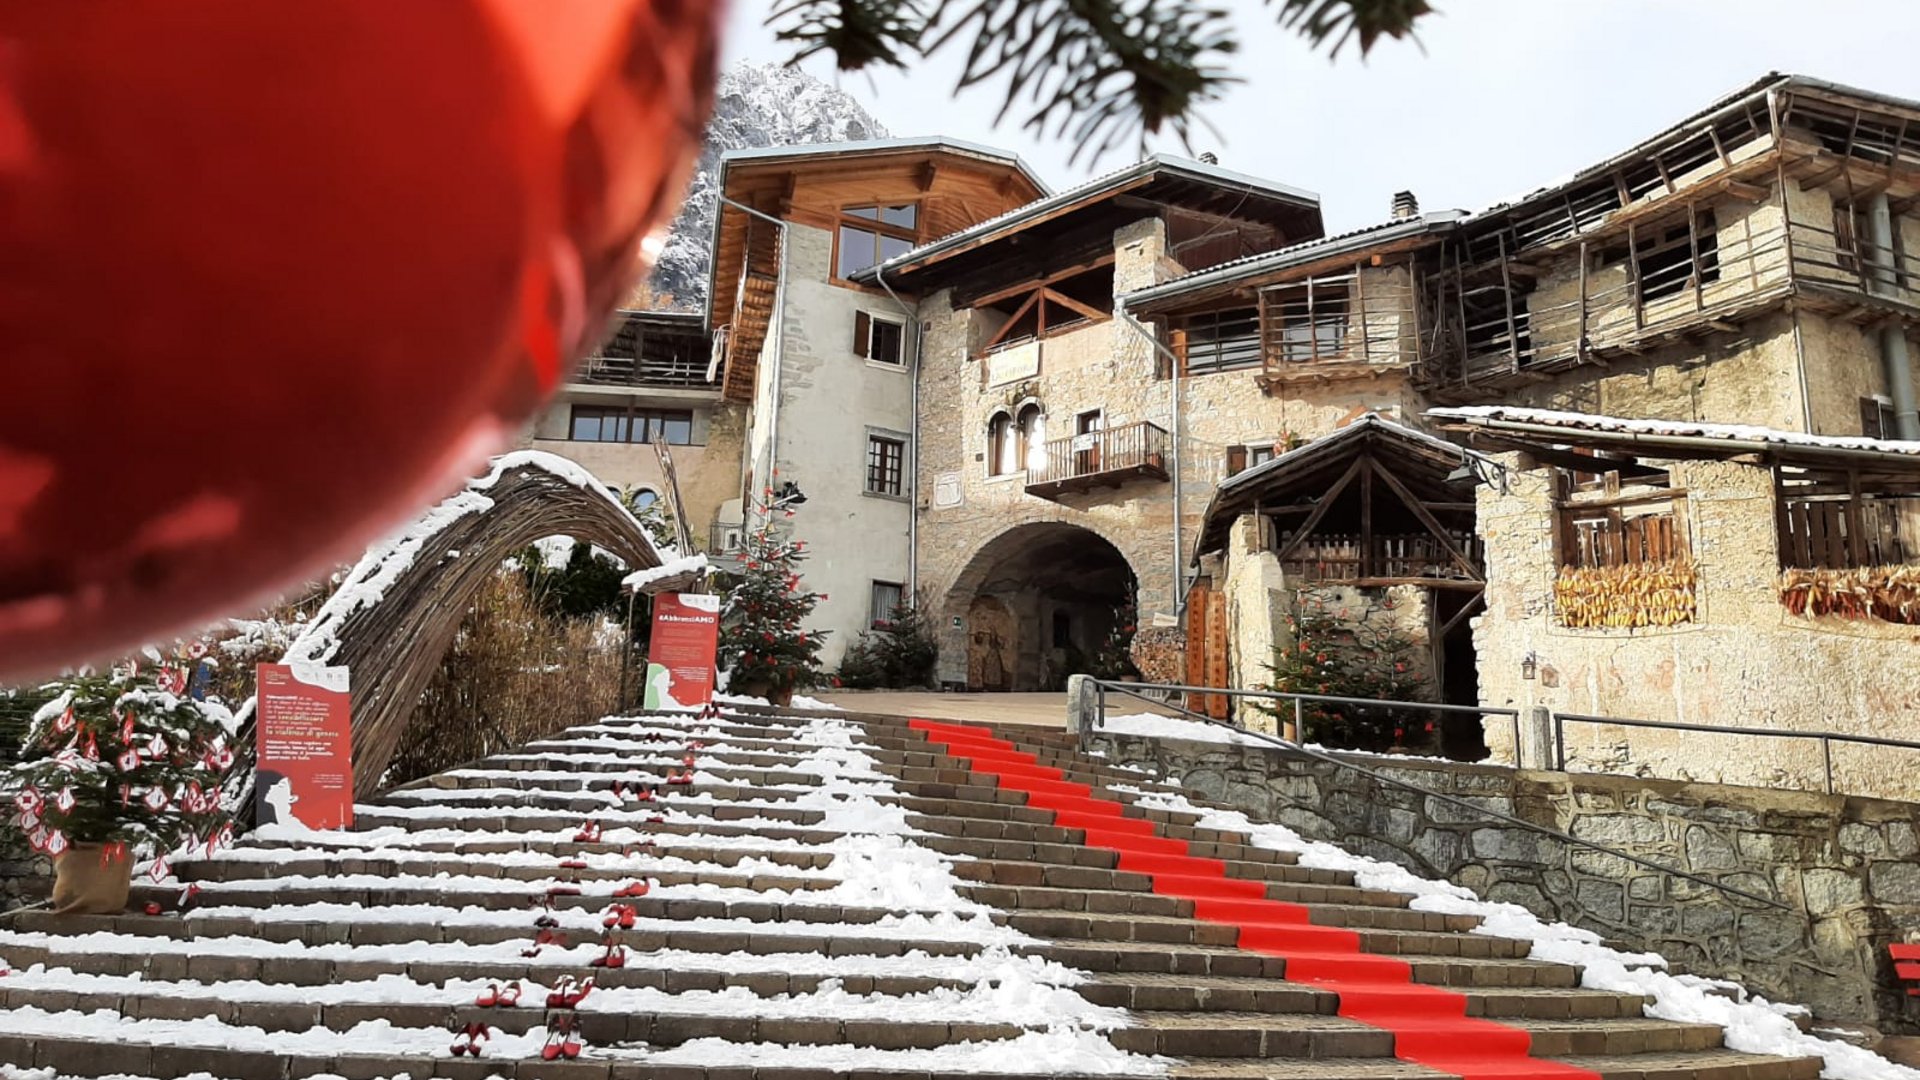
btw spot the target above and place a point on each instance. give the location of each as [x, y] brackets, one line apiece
[1031, 425]
[641, 498]
[1001, 444]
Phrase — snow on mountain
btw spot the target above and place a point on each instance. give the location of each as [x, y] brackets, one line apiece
[757, 105]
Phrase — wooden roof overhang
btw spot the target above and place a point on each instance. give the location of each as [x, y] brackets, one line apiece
[1232, 287]
[1415, 467]
[955, 186]
[1076, 230]
[1552, 440]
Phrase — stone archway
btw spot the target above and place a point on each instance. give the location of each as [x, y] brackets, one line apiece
[1031, 606]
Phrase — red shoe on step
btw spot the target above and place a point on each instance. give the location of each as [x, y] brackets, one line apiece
[489, 997]
[620, 915]
[557, 997]
[633, 890]
[615, 957]
[578, 993]
[589, 833]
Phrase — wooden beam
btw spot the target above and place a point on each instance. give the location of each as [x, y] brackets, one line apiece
[1011, 320]
[1753, 193]
[1071, 304]
[1433, 525]
[1320, 509]
[1466, 609]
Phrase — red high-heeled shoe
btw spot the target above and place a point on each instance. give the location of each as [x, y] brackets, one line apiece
[473, 1036]
[489, 997]
[551, 1050]
[645, 794]
[633, 889]
[687, 761]
[614, 957]
[573, 864]
[573, 997]
[675, 776]
[620, 915]
[510, 996]
[589, 833]
[557, 997]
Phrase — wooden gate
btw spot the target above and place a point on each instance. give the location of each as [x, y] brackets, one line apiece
[1207, 647]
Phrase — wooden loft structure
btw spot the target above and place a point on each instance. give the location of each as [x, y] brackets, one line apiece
[1373, 504]
[1636, 252]
[1341, 307]
[927, 188]
[1839, 502]
[1047, 268]
[650, 349]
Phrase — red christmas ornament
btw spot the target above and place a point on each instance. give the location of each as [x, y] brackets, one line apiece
[301, 266]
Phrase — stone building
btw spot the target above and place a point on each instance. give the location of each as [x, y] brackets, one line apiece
[1060, 478]
[1753, 265]
[1706, 574]
[827, 365]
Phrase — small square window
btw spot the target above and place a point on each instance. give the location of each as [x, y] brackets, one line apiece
[1259, 455]
[886, 600]
[886, 464]
[884, 342]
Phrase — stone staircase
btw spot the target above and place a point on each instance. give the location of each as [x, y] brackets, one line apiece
[828, 897]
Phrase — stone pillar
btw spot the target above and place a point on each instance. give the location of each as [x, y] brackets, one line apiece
[1083, 704]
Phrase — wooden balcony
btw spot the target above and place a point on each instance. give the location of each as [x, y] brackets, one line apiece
[1107, 458]
[650, 349]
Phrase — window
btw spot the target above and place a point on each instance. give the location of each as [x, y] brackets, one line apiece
[870, 235]
[641, 498]
[1002, 452]
[880, 340]
[1242, 458]
[886, 462]
[887, 596]
[1030, 446]
[1309, 319]
[1876, 418]
[1259, 455]
[1608, 519]
[1664, 259]
[601, 423]
[1223, 341]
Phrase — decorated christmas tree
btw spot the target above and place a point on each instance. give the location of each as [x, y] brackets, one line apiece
[1351, 654]
[762, 643]
[127, 761]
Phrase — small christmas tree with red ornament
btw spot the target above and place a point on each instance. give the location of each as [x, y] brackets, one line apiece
[762, 642]
[127, 761]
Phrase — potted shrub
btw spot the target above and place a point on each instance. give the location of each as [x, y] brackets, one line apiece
[128, 766]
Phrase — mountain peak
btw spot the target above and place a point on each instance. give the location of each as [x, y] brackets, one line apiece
[755, 106]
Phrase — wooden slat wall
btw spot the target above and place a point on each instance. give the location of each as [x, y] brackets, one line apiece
[1217, 656]
[1198, 599]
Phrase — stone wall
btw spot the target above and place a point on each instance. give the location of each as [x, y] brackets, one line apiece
[1847, 867]
[1744, 660]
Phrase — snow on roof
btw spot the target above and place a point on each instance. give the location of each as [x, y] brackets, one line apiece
[1095, 186]
[1683, 429]
[1368, 422]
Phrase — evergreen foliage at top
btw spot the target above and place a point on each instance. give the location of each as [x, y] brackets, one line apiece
[1094, 71]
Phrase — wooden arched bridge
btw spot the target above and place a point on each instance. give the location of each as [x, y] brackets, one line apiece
[396, 613]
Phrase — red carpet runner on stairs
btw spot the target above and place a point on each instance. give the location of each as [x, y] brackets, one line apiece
[1430, 1025]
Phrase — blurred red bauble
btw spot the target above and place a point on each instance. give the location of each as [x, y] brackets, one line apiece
[273, 275]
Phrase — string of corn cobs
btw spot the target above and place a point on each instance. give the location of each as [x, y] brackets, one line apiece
[1625, 597]
[1889, 593]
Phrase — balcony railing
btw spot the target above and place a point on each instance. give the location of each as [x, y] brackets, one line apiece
[1106, 458]
[1324, 557]
[649, 352]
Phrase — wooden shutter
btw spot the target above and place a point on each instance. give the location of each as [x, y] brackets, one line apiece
[1236, 459]
[862, 333]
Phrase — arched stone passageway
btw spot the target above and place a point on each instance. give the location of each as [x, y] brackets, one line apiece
[1031, 606]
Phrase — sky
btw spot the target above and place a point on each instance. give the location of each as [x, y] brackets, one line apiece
[1496, 99]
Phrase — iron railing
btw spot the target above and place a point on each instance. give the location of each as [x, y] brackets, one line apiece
[1826, 739]
[1103, 687]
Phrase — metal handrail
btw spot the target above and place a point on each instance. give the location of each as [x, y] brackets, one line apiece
[1101, 686]
[1826, 738]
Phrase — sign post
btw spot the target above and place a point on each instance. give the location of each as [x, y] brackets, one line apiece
[305, 743]
[680, 654]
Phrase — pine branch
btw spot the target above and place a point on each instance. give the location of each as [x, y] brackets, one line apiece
[1095, 71]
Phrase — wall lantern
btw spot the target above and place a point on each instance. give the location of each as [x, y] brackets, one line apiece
[1529, 666]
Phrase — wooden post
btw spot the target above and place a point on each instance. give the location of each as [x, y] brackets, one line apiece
[1580, 342]
[1633, 272]
[1366, 516]
[1699, 272]
[1266, 355]
[1506, 280]
[1359, 308]
[1460, 296]
[1856, 530]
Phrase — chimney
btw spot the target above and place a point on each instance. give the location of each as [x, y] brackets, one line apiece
[1208, 157]
[1405, 205]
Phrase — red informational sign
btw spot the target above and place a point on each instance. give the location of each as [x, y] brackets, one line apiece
[686, 633]
[305, 764]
